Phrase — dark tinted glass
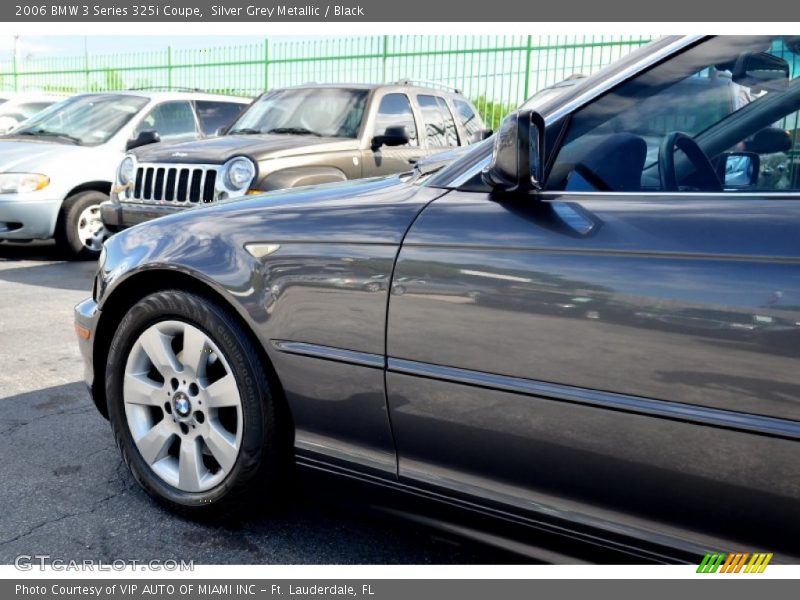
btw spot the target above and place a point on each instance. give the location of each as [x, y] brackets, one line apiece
[469, 119]
[213, 115]
[395, 110]
[707, 92]
[439, 124]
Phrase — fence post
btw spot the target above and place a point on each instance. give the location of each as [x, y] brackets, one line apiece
[266, 64]
[169, 67]
[86, 76]
[16, 73]
[385, 57]
[528, 51]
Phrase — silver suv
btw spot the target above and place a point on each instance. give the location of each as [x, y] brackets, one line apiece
[58, 167]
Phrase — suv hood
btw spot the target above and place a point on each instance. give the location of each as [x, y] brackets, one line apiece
[258, 147]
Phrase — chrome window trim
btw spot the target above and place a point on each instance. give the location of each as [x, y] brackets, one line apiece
[724, 194]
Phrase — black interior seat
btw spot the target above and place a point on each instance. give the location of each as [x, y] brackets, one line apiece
[614, 164]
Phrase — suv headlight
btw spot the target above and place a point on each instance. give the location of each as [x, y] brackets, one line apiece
[238, 173]
[126, 171]
[20, 183]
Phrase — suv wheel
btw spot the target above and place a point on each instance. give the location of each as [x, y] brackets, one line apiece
[80, 231]
[190, 405]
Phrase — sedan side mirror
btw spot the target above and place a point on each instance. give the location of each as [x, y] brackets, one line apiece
[518, 156]
[148, 136]
[396, 135]
[741, 169]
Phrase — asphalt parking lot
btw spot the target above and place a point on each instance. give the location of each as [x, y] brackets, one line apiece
[65, 492]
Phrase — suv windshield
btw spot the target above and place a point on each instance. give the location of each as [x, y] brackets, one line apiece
[85, 120]
[329, 112]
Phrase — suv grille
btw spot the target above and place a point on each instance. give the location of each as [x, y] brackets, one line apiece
[175, 183]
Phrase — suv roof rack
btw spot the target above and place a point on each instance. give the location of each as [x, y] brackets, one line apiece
[426, 83]
[166, 88]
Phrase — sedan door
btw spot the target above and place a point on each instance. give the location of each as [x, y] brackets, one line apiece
[626, 361]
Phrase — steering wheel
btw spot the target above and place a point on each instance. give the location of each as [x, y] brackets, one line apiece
[706, 177]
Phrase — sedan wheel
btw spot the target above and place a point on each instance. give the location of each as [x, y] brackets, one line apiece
[183, 409]
[191, 406]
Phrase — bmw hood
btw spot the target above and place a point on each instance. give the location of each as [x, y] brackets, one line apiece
[367, 211]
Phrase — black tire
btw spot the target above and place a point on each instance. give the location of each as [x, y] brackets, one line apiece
[66, 234]
[260, 467]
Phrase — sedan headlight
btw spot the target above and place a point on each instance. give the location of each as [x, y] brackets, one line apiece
[20, 183]
[238, 173]
[125, 173]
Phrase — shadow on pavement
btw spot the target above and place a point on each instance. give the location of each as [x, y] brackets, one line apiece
[30, 251]
[68, 275]
[66, 492]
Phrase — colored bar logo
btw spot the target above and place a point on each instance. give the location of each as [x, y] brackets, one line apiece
[736, 562]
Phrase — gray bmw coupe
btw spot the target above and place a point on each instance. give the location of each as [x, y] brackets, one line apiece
[591, 324]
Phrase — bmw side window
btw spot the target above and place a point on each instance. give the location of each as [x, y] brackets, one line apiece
[395, 110]
[216, 115]
[171, 120]
[469, 120]
[438, 122]
[700, 122]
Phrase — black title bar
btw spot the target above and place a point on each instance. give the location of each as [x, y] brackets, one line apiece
[262, 11]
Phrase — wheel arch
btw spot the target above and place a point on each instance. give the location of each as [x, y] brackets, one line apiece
[103, 187]
[146, 282]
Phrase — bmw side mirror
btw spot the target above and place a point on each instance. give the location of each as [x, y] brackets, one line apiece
[396, 135]
[518, 154]
[148, 136]
[741, 169]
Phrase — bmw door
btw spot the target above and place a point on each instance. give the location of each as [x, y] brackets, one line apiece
[619, 352]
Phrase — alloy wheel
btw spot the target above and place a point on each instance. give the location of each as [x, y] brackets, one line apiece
[182, 406]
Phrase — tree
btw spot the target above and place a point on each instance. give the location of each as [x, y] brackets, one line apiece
[492, 112]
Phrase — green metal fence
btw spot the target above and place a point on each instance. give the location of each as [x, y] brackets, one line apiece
[496, 72]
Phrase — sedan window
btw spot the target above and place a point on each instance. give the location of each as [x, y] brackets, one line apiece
[171, 120]
[88, 119]
[214, 115]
